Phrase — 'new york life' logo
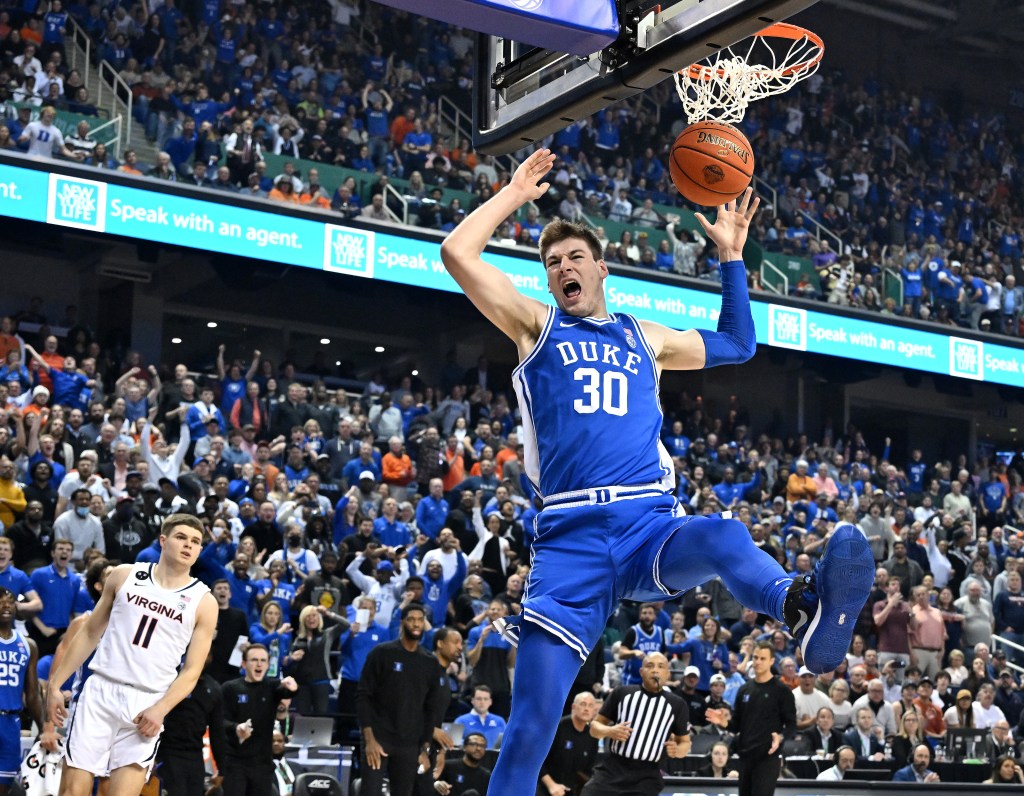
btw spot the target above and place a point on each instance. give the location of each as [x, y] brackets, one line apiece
[348, 250]
[966, 358]
[78, 203]
[787, 327]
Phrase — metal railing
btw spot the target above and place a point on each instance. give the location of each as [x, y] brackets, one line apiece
[999, 641]
[391, 192]
[113, 142]
[113, 94]
[458, 121]
[119, 93]
[79, 54]
[766, 191]
[769, 269]
[363, 31]
[894, 279]
[821, 231]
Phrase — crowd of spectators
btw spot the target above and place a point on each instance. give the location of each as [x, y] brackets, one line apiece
[328, 512]
[896, 181]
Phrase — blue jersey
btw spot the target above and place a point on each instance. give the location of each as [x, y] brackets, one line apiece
[14, 656]
[355, 647]
[646, 643]
[589, 385]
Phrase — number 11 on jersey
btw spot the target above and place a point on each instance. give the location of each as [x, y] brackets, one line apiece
[144, 633]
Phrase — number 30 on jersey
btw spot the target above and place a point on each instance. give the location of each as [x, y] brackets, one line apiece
[606, 391]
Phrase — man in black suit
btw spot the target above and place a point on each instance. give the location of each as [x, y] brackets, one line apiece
[824, 737]
[998, 742]
[865, 739]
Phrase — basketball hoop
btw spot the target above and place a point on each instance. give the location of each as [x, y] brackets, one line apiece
[721, 88]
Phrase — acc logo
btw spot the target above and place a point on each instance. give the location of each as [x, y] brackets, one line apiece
[966, 358]
[319, 784]
[348, 250]
[527, 5]
[78, 203]
[787, 327]
[630, 340]
[142, 575]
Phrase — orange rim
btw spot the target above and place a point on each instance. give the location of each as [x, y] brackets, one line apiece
[779, 30]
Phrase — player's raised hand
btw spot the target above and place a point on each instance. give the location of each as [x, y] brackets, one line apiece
[530, 171]
[729, 232]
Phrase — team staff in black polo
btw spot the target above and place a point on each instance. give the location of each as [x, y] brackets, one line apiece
[642, 723]
[250, 708]
[573, 754]
[764, 713]
[400, 696]
[466, 777]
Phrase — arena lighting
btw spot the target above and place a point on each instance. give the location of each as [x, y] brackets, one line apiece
[175, 340]
[379, 349]
[211, 325]
[325, 341]
[417, 373]
[337, 363]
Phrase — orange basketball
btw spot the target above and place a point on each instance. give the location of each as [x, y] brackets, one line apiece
[711, 163]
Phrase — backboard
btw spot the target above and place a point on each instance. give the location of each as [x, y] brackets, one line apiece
[524, 93]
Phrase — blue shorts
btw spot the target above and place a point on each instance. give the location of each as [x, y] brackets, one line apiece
[10, 748]
[587, 558]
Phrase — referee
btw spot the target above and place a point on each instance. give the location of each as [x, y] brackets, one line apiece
[649, 722]
[765, 711]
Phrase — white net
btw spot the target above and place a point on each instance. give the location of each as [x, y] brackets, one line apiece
[722, 86]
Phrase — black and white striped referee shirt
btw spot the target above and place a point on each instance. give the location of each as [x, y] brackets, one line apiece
[653, 717]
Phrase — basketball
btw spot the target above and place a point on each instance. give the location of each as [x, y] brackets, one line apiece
[711, 163]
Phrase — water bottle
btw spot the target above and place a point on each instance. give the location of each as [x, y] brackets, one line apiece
[888, 750]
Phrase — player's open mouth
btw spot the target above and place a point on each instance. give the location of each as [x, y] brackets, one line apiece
[571, 289]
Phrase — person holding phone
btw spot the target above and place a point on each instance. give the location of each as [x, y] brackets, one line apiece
[363, 635]
[318, 633]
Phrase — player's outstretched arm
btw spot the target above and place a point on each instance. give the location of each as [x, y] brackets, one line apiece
[82, 645]
[151, 721]
[518, 316]
[734, 341]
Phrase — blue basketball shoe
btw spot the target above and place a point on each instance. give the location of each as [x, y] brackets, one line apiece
[821, 609]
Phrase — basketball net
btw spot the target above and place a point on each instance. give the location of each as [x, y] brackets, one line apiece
[723, 85]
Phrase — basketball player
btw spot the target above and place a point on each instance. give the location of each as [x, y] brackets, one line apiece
[18, 688]
[610, 528]
[95, 578]
[147, 618]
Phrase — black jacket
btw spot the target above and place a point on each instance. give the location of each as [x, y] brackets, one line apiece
[185, 724]
[258, 702]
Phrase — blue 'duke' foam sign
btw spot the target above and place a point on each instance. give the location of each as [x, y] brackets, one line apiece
[579, 27]
[381, 253]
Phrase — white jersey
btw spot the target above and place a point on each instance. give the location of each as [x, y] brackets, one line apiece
[148, 632]
[43, 138]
